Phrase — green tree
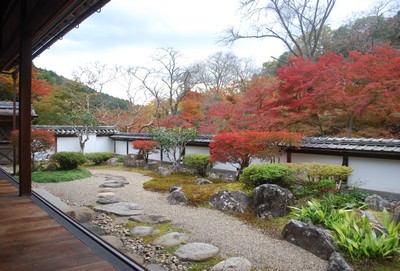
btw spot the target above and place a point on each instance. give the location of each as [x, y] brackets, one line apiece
[173, 141]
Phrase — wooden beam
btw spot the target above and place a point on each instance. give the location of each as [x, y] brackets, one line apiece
[25, 84]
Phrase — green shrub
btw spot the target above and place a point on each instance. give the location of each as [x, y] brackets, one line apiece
[60, 175]
[69, 160]
[199, 163]
[255, 175]
[99, 158]
[315, 172]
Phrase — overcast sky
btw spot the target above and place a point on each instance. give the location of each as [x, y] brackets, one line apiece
[127, 32]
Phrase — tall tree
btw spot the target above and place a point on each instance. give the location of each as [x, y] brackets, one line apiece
[297, 23]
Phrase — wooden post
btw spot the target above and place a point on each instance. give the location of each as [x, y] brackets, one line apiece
[25, 84]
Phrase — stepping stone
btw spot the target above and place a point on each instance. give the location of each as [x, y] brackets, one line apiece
[196, 252]
[171, 239]
[103, 190]
[120, 208]
[154, 267]
[106, 195]
[144, 230]
[113, 184]
[116, 179]
[94, 228]
[113, 240]
[233, 264]
[108, 200]
[151, 219]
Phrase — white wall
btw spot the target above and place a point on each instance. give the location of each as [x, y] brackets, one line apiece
[316, 158]
[375, 174]
[68, 144]
[94, 144]
[120, 147]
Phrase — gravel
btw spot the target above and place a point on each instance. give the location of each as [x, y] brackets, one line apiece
[232, 236]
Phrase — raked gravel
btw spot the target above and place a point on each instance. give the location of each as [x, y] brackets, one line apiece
[233, 237]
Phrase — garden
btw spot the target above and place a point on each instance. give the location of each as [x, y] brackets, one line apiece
[317, 194]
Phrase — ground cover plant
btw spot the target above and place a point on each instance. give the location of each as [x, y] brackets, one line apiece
[60, 175]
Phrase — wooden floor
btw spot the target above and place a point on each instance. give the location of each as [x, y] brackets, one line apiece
[31, 240]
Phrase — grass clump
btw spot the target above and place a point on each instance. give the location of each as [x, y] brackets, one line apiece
[60, 175]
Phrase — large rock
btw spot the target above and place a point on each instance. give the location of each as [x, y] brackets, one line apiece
[233, 264]
[271, 200]
[82, 214]
[134, 160]
[396, 215]
[338, 263]
[120, 208]
[313, 239]
[376, 202]
[144, 230]
[177, 198]
[152, 165]
[235, 201]
[164, 171]
[113, 240]
[112, 162]
[171, 239]
[196, 252]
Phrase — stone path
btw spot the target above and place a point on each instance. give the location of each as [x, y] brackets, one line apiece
[231, 236]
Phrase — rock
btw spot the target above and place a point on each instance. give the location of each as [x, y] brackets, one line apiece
[177, 198]
[113, 240]
[196, 252]
[201, 181]
[106, 195]
[164, 171]
[396, 215]
[133, 160]
[94, 228]
[151, 219]
[235, 201]
[113, 184]
[213, 175]
[112, 162]
[152, 165]
[109, 200]
[271, 200]
[379, 228]
[376, 202]
[144, 230]
[313, 239]
[106, 189]
[233, 264]
[338, 263]
[82, 214]
[51, 167]
[154, 267]
[121, 208]
[175, 188]
[136, 258]
[171, 239]
[112, 178]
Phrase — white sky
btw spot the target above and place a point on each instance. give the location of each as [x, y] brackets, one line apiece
[127, 32]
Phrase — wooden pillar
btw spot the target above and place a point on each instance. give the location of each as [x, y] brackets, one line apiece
[288, 156]
[25, 84]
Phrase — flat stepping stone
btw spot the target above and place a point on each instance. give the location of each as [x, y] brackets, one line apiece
[233, 264]
[113, 240]
[171, 239]
[110, 200]
[154, 267]
[120, 208]
[113, 184]
[106, 195]
[116, 179]
[151, 219]
[196, 252]
[144, 230]
[102, 190]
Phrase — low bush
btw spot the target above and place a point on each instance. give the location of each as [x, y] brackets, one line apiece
[199, 163]
[99, 158]
[69, 160]
[255, 175]
[315, 172]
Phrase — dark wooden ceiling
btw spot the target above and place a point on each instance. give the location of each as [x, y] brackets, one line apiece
[46, 22]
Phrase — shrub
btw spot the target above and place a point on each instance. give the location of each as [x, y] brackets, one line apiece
[315, 172]
[199, 163]
[99, 157]
[255, 175]
[69, 160]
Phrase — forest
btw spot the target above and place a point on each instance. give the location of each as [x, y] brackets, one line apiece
[342, 82]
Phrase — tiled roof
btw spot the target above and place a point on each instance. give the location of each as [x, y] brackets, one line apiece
[146, 136]
[70, 130]
[352, 144]
[6, 109]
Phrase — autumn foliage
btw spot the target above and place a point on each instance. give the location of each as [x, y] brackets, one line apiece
[146, 147]
[242, 147]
